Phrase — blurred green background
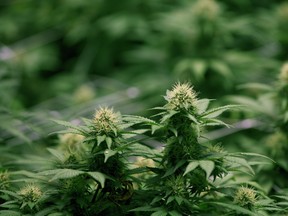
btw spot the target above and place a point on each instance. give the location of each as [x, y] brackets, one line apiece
[50, 48]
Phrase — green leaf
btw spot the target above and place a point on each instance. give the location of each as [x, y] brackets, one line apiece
[191, 117]
[67, 131]
[282, 197]
[46, 211]
[222, 68]
[108, 153]
[179, 200]
[11, 193]
[215, 122]
[70, 125]
[202, 105]
[255, 86]
[137, 149]
[160, 212]
[171, 170]
[100, 177]
[240, 161]
[10, 204]
[139, 131]
[109, 142]
[191, 166]
[100, 139]
[234, 207]
[59, 155]
[66, 173]
[130, 134]
[207, 166]
[156, 199]
[174, 213]
[87, 122]
[16, 132]
[138, 119]
[253, 104]
[257, 155]
[56, 214]
[170, 199]
[155, 127]
[31, 205]
[9, 213]
[213, 113]
[199, 67]
[168, 115]
[174, 131]
[144, 208]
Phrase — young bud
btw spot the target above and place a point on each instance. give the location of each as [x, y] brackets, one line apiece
[70, 142]
[245, 197]
[4, 177]
[106, 120]
[30, 193]
[207, 9]
[182, 96]
[284, 73]
[83, 94]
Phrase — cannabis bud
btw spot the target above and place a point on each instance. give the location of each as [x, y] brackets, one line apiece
[83, 94]
[4, 177]
[144, 162]
[284, 73]
[245, 197]
[182, 96]
[70, 141]
[207, 9]
[30, 193]
[106, 120]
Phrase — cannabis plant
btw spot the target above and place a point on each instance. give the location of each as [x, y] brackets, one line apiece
[269, 105]
[117, 164]
[194, 178]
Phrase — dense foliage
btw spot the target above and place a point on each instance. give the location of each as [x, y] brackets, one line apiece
[62, 60]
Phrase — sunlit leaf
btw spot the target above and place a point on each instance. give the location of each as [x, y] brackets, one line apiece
[191, 166]
[100, 177]
[108, 153]
[207, 166]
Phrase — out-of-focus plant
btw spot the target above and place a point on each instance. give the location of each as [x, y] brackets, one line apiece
[270, 106]
[208, 41]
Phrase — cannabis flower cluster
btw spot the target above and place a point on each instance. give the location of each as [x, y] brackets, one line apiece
[181, 97]
[106, 121]
[30, 193]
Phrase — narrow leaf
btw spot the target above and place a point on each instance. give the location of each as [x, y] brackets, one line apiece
[108, 153]
[66, 173]
[207, 166]
[161, 212]
[174, 213]
[70, 125]
[240, 161]
[213, 113]
[236, 208]
[100, 139]
[257, 155]
[202, 105]
[9, 213]
[191, 166]
[170, 199]
[155, 127]
[191, 117]
[100, 177]
[109, 142]
[144, 209]
[59, 155]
